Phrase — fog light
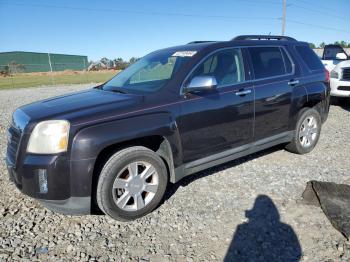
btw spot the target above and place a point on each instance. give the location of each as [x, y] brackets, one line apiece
[42, 177]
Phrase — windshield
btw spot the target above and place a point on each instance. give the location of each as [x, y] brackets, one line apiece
[150, 73]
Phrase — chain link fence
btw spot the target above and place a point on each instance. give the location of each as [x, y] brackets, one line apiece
[14, 75]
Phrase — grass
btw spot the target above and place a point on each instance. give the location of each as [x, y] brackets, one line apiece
[56, 78]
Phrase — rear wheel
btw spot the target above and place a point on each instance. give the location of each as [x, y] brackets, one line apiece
[131, 184]
[307, 132]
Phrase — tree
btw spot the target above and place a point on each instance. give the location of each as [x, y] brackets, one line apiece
[5, 71]
[312, 45]
[133, 60]
[343, 44]
[15, 68]
[322, 45]
[120, 64]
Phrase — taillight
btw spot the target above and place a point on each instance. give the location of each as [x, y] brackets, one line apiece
[326, 72]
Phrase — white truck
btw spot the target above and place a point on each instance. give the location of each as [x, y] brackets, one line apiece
[337, 62]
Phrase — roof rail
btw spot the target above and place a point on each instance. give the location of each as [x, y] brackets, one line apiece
[263, 37]
[198, 42]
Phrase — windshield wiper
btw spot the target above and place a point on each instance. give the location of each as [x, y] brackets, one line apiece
[113, 89]
[117, 91]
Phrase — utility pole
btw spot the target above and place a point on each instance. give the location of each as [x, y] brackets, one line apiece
[284, 17]
[52, 80]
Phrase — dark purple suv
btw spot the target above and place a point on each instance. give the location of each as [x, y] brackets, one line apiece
[173, 113]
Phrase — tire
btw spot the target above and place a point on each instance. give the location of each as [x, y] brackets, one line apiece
[122, 180]
[299, 143]
[334, 100]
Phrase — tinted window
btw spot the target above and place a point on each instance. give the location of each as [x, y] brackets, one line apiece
[310, 58]
[267, 61]
[330, 52]
[226, 66]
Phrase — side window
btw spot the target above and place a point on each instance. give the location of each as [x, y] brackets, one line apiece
[225, 65]
[310, 58]
[267, 61]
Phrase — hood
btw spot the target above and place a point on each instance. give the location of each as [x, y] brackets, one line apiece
[335, 64]
[79, 105]
[343, 64]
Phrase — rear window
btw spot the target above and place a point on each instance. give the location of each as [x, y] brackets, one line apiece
[310, 58]
[269, 62]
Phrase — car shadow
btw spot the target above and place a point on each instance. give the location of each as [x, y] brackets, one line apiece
[264, 237]
[172, 188]
[343, 102]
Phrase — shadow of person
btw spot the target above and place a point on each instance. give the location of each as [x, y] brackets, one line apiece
[264, 237]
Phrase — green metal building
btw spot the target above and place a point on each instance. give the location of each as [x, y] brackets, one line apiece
[19, 61]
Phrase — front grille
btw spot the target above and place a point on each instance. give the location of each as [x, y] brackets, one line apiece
[346, 74]
[344, 88]
[14, 138]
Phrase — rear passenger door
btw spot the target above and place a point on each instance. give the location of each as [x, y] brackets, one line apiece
[273, 72]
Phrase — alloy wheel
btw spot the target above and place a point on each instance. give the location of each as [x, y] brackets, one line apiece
[308, 131]
[135, 186]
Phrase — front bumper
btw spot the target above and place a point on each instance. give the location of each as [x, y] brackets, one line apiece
[48, 179]
[70, 206]
[335, 84]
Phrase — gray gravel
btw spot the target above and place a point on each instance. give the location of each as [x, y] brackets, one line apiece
[201, 214]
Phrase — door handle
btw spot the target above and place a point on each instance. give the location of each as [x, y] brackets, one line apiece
[293, 82]
[243, 92]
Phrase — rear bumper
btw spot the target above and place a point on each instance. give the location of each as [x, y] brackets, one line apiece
[48, 178]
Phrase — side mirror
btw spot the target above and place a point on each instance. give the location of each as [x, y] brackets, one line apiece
[201, 83]
[341, 56]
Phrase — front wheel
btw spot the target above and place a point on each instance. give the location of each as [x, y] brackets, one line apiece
[307, 132]
[132, 183]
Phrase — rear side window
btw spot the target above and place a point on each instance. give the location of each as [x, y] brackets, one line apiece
[269, 62]
[310, 58]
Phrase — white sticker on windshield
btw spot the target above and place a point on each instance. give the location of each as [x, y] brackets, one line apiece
[184, 53]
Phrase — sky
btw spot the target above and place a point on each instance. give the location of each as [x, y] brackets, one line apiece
[133, 28]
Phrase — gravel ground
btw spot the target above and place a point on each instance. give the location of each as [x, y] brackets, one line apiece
[252, 204]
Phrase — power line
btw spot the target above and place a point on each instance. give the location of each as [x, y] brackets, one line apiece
[319, 12]
[318, 26]
[313, 6]
[139, 12]
[260, 2]
[173, 14]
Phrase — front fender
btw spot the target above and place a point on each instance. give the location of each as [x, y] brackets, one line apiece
[90, 141]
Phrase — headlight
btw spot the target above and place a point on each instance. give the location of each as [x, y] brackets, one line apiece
[49, 137]
[334, 74]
